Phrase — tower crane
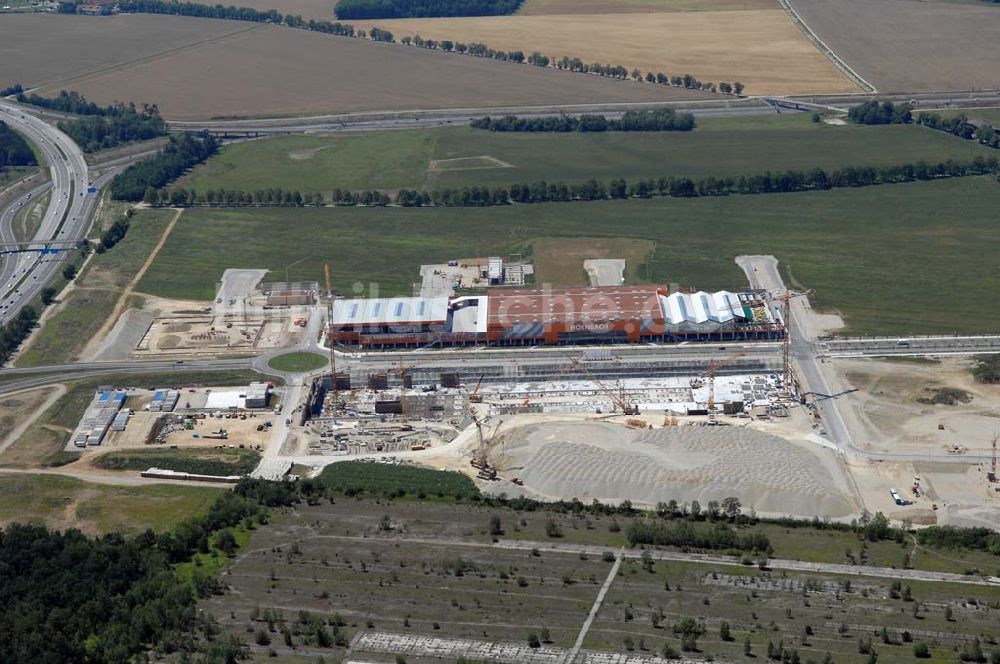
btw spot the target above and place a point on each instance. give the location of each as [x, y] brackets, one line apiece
[329, 339]
[786, 346]
[618, 397]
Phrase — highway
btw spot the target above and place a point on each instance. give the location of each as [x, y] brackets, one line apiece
[724, 106]
[23, 276]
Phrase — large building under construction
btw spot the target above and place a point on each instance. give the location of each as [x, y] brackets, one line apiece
[525, 317]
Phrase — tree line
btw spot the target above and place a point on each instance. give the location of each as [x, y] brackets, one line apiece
[362, 9]
[961, 127]
[14, 150]
[661, 119]
[687, 534]
[970, 539]
[816, 179]
[17, 88]
[875, 113]
[338, 28]
[181, 153]
[100, 132]
[15, 332]
[71, 101]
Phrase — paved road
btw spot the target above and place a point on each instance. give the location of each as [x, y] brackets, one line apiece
[37, 376]
[806, 351]
[380, 120]
[725, 106]
[23, 276]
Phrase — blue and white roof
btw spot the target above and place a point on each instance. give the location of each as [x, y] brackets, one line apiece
[701, 307]
[389, 310]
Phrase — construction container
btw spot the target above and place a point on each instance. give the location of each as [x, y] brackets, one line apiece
[257, 395]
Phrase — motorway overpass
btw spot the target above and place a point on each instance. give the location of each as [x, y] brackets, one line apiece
[23, 276]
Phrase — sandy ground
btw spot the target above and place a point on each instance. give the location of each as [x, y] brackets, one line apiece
[902, 45]
[605, 271]
[19, 411]
[610, 462]
[293, 67]
[886, 410]
[761, 48]
[128, 330]
[884, 415]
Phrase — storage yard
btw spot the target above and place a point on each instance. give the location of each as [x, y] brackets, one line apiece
[173, 420]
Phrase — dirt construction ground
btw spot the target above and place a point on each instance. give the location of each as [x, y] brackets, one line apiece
[269, 70]
[602, 461]
[761, 48]
[887, 417]
[908, 46]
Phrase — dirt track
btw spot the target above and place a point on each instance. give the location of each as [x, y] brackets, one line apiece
[908, 46]
[283, 71]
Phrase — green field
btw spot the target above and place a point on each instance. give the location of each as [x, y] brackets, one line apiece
[200, 460]
[376, 479]
[87, 307]
[297, 362]
[439, 158]
[64, 502]
[902, 258]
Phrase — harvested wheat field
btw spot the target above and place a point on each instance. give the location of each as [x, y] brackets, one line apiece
[589, 460]
[761, 48]
[55, 49]
[906, 46]
[317, 9]
[545, 7]
[276, 71]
